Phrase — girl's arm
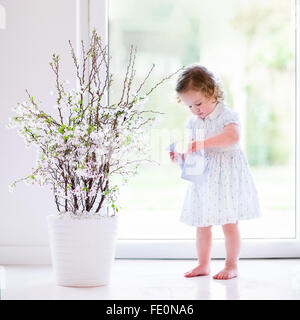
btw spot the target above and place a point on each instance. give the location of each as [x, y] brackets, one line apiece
[228, 137]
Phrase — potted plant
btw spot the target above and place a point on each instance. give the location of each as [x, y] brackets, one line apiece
[80, 149]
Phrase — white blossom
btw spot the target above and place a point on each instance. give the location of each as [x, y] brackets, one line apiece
[75, 153]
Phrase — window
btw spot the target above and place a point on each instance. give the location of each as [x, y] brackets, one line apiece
[250, 45]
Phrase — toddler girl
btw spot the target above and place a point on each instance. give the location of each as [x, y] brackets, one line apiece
[227, 192]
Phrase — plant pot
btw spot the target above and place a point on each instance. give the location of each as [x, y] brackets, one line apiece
[82, 248]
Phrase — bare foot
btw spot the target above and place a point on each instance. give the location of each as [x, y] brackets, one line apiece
[228, 272]
[200, 270]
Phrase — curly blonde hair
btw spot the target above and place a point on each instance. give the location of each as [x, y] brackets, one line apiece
[197, 77]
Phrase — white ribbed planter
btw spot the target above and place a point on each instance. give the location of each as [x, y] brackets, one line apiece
[82, 249]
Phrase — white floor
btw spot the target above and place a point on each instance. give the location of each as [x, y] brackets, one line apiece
[270, 279]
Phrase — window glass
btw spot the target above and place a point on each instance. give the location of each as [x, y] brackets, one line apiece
[250, 46]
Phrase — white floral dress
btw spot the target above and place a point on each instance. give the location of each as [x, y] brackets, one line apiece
[227, 192]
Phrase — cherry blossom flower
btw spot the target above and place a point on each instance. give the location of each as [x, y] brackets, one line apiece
[85, 142]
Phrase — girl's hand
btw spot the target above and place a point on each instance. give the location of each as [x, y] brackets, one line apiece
[195, 146]
[174, 158]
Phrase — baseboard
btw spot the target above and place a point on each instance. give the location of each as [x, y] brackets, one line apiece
[25, 255]
[160, 249]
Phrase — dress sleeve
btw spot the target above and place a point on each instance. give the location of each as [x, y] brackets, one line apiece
[188, 123]
[231, 117]
[189, 128]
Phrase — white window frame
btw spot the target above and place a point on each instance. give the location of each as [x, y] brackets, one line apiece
[94, 13]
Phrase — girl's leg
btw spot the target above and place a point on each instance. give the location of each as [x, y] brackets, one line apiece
[232, 245]
[203, 245]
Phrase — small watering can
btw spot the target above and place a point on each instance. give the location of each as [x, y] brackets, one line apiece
[193, 167]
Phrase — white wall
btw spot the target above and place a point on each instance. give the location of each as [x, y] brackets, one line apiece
[34, 30]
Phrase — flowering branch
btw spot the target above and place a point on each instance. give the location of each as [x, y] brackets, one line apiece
[92, 141]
